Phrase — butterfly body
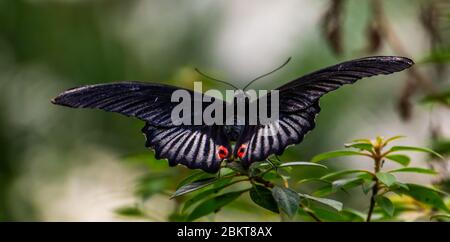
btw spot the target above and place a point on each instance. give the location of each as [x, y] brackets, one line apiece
[206, 146]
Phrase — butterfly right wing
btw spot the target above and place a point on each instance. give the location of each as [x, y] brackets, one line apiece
[299, 105]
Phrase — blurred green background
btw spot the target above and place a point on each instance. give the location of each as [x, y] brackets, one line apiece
[60, 164]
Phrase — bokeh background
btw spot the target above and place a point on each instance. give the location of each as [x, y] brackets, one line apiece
[60, 164]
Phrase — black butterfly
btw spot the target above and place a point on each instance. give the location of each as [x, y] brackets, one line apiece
[207, 146]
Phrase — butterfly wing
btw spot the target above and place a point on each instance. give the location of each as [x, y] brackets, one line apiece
[303, 92]
[196, 146]
[299, 105]
[257, 142]
[149, 102]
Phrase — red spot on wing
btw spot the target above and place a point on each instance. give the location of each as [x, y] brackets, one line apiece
[222, 152]
[241, 151]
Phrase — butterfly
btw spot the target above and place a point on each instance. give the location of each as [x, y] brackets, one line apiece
[207, 146]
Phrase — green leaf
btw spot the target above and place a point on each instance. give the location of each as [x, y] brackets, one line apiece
[309, 180]
[259, 164]
[256, 168]
[192, 177]
[386, 178]
[337, 174]
[287, 199]
[235, 166]
[441, 146]
[263, 197]
[417, 149]
[302, 163]
[440, 217]
[325, 214]
[385, 204]
[323, 191]
[401, 159]
[328, 215]
[213, 205]
[197, 198]
[400, 185]
[415, 170]
[255, 172]
[366, 176]
[425, 195]
[272, 175]
[367, 186]
[336, 205]
[217, 187]
[394, 138]
[193, 186]
[352, 215]
[225, 171]
[334, 154]
[129, 212]
[346, 183]
[365, 141]
[361, 146]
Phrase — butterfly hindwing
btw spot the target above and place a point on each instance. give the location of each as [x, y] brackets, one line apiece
[258, 142]
[197, 147]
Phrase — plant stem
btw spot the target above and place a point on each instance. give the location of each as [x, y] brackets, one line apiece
[372, 201]
[377, 158]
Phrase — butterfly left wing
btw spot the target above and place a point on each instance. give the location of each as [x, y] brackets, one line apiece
[299, 104]
[196, 146]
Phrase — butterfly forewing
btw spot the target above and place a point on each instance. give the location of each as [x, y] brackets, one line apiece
[305, 91]
[149, 102]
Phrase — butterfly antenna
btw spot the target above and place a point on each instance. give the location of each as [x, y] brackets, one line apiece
[214, 79]
[259, 77]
